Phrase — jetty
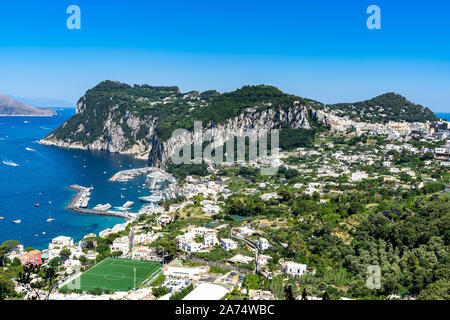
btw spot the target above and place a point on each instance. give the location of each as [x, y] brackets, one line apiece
[79, 200]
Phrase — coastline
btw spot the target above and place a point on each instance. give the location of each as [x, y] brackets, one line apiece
[79, 146]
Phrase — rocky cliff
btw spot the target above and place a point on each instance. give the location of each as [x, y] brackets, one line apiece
[139, 120]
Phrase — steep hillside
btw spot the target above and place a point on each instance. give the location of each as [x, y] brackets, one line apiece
[384, 108]
[140, 119]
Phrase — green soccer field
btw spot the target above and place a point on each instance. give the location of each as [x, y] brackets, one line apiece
[116, 274]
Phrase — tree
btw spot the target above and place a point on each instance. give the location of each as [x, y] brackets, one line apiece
[37, 280]
[288, 294]
[65, 254]
[55, 262]
[6, 288]
[3, 253]
[304, 296]
[10, 244]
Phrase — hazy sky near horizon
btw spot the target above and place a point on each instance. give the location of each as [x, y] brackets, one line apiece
[319, 49]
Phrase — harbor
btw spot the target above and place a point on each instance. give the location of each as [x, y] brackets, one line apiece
[78, 204]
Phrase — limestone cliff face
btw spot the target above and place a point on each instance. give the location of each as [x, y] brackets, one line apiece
[113, 137]
[140, 120]
[158, 151]
[217, 134]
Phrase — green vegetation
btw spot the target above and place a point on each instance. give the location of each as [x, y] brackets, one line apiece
[393, 106]
[182, 293]
[181, 171]
[176, 111]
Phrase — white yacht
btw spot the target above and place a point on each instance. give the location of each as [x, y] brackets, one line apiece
[128, 204]
[17, 221]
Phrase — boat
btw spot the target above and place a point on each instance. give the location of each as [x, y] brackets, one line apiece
[150, 198]
[44, 232]
[102, 207]
[122, 196]
[10, 163]
[50, 219]
[128, 204]
[17, 221]
[2, 218]
[36, 204]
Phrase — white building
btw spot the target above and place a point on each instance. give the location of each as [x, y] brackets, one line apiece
[210, 209]
[60, 242]
[263, 244]
[91, 255]
[184, 272]
[228, 244]
[186, 243]
[295, 269]
[72, 265]
[207, 291]
[145, 253]
[164, 219]
[121, 244]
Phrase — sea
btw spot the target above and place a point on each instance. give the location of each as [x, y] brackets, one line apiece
[32, 174]
[445, 116]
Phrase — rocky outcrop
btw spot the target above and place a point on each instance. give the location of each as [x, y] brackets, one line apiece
[251, 122]
[141, 120]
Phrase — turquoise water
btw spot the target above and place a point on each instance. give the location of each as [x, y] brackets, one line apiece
[445, 116]
[43, 174]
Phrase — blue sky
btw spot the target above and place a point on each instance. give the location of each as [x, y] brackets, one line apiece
[319, 49]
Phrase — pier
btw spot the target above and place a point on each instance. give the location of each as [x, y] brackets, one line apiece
[79, 198]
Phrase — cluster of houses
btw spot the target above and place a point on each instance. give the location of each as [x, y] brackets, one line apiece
[197, 239]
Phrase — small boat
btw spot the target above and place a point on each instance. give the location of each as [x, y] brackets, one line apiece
[36, 204]
[128, 204]
[2, 218]
[10, 163]
[44, 232]
[50, 219]
[17, 221]
[122, 196]
[36, 235]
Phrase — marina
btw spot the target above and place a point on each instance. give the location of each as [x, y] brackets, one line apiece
[79, 199]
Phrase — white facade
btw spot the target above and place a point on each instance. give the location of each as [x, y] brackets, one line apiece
[60, 242]
[228, 244]
[184, 272]
[121, 244]
[263, 244]
[295, 269]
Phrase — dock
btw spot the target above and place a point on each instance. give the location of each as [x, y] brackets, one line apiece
[82, 193]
